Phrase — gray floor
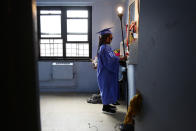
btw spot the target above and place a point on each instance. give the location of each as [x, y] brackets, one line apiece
[71, 112]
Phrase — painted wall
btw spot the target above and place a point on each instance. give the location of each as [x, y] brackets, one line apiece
[130, 67]
[165, 73]
[104, 15]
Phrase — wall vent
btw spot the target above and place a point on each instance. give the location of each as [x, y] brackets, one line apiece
[62, 70]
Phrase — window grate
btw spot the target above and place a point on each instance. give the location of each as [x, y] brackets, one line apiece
[51, 47]
[65, 32]
[77, 50]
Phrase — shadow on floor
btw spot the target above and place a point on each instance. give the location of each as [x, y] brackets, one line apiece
[119, 116]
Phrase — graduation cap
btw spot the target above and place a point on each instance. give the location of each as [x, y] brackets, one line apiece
[105, 31]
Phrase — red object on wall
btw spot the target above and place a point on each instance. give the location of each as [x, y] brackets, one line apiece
[117, 52]
[127, 35]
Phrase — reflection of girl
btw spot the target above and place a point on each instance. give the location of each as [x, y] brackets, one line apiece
[107, 72]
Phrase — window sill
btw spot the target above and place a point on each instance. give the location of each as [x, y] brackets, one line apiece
[65, 60]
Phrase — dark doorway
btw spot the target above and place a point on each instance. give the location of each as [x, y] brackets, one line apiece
[21, 66]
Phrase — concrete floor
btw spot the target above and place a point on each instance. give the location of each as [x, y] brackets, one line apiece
[71, 112]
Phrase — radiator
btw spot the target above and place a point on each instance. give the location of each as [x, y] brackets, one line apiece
[62, 70]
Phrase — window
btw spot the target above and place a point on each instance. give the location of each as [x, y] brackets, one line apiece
[65, 33]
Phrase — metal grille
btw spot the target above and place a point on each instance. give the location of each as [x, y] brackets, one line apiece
[65, 32]
[51, 47]
[77, 49]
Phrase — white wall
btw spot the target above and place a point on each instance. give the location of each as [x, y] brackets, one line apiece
[103, 15]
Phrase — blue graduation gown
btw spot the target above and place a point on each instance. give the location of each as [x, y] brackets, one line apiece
[107, 74]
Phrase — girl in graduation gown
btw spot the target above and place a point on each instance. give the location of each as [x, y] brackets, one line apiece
[107, 72]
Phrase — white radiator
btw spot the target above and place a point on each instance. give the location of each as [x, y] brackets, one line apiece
[62, 70]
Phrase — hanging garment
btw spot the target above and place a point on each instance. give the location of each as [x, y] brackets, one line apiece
[107, 74]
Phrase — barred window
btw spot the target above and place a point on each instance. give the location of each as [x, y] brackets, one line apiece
[65, 32]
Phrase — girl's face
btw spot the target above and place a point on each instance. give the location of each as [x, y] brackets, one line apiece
[109, 39]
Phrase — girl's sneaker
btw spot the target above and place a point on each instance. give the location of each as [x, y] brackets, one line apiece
[107, 110]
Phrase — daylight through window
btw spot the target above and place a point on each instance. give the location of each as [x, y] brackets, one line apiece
[65, 32]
